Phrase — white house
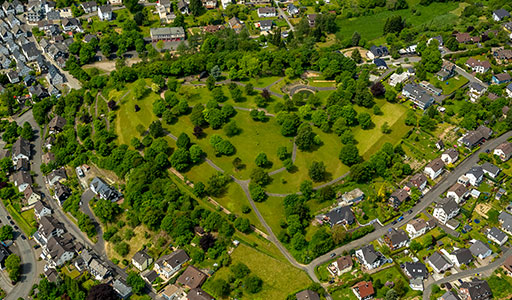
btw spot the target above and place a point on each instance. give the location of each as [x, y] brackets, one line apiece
[141, 260]
[418, 227]
[105, 13]
[434, 168]
[500, 14]
[22, 180]
[457, 192]
[450, 156]
[370, 258]
[497, 236]
[459, 257]
[41, 210]
[438, 262]
[31, 196]
[476, 90]
[475, 175]
[169, 264]
[504, 151]
[490, 169]
[445, 210]
[480, 249]
[509, 90]
[20, 150]
[266, 12]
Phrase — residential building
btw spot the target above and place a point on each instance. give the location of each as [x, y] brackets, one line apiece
[434, 168]
[265, 25]
[505, 220]
[172, 292]
[507, 266]
[490, 169]
[103, 190]
[396, 239]
[30, 51]
[4, 253]
[508, 90]
[450, 156]
[99, 270]
[71, 24]
[115, 2]
[415, 270]
[307, 295]
[354, 196]
[500, 14]
[438, 262]
[398, 197]
[501, 78]
[418, 227]
[48, 227]
[198, 294]
[476, 90]
[447, 71]
[122, 289]
[31, 196]
[417, 95]
[340, 215]
[380, 63]
[497, 236]
[167, 34]
[292, 9]
[41, 210]
[416, 284]
[58, 250]
[22, 180]
[54, 77]
[449, 296]
[56, 124]
[475, 175]
[377, 51]
[89, 6]
[13, 76]
[192, 278]
[20, 150]
[342, 265]
[461, 257]
[465, 37]
[396, 79]
[419, 181]
[457, 192]
[311, 19]
[55, 176]
[475, 137]
[478, 66]
[445, 210]
[141, 260]
[169, 264]
[105, 13]
[504, 151]
[504, 56]
[369, 258]
[236, 24]
[266, 12]
[363, 290]
[475, 290]
[182, 7]
[61, 193]
[480, 249]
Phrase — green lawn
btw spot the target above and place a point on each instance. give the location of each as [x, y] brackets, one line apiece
[279, 279]
[272, 211]
[435, 13]
[344, 294]
[449, 86]
[24, 224]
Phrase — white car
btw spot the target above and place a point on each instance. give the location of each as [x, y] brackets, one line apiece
[79, 172]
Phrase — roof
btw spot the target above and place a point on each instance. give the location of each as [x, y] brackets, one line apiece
[30, 49]
[364, 289]
[266, 10]
[22, 177]
[234, 22]
[48, 225]
[452, 153]
[505, 148]
[490, 168]
[418, 224]
[379, 50]
[419, 93]
[400, 194]
[480, 63]
[458, 189]
[448, 205]
[497, 234]
[476, 136]
[57, 123]
[379, 62]
[340, 214]
[170, 290]
[39, 206]
[121, 288]
[150, 276]
[99, 267]
[477, 171]
[174, 259]
[479, 248]
[463, 255]
[21, 146]
[501, 13]
[141, 257]
[192, 277]
[449, 296]
[397, 236]
[369, 254]
[477, 86]
[57, 173]
[477, 289]
[503, 76]
[104, 9]
[266, 23]
[344, 262]
[416, 269]
[506, 221]
[173, 31]
[307, 295]
[507, 264]
[436, 165]
[438, 260]
[198, 294]
[418, 180]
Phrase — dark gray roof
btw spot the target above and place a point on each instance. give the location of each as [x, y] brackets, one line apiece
[57, 123]
[477, 289]
[450, 296]
[477, 86]
[477, 171]
[380, 62]
[123, 289]
[506, 220]
[379, 50]
[307, 295]
[22, 177]
[463, 255]
[266, 23]
[397, 236]
[141, 257]
[370, 255]
[475, 136]
[175, 259]
[416, 269]
[198, 294]
[340, 214]
[501, 13]
[497, 234]
[479, 248]
[48, 225]
[21, 146]
[448, 205]
[487, 166]
[438, 260]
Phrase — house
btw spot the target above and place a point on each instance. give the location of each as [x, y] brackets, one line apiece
[292, 9]
[363, 290]
[434, 168]
[438, 262]
[4, 253]
[504, 151]
[340, 215]
[342, 265]
[89, 6]
[41, 210]
[500, 14]
[501, 78]
[236, 24]
[445, 210]
[115, 2]
[504, 56]
[311, 19]
[354, 196]
[480, 249]
[475, 289]
[192, 278]
[490, 169]
[450, 156]
[419, 181]
[99, 270]
[447, 71]
[172, 292]
[58, 250]
[370, 258]
[418, 227]
[71, 24]
[31, 196]
[213, 28]
[497, 236]
[183, 7]
[30, 51]
[149, 276]
[504, 110]
[198, 294]
[377, 51]
[475, 137]
[475, 175]
[37, 92]
[507, 266]
[478, 66]
[307, 295]
[20, 150]
[13, 77]
[49, 227]
[396, 79]
[440, 145]
[56, 124]
[396, 239]
[508, 90]
[105, 13]
[417, 95]
[380, 63]
[398, 197]
[461, 256]
[265, 25]
[457, 192]
[169, 264]
[476, 90]
[105, 191]
[61, 192]
[167, 34]
[22, 180]
[122, 289]
[55, 176]
[415, 270]
[141, 260]
[505, 220]
[464, 37]
[266, 12]
[54, 77]
[438, 38]
[416, 284]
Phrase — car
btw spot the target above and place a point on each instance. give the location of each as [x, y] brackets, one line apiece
[409, 211]
[487, 150]
[393, 223]
[460, 281]
[23, 237]
[400, 219]
[9, 217]
[333, 255]
[16, 227]
[11, 222]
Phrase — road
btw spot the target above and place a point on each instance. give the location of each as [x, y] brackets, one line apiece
[470, 77]
[463, 274]
[285, 17]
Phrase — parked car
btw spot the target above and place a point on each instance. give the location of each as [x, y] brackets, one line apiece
[333, 254]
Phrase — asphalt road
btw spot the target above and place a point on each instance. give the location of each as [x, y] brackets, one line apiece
[463, 274]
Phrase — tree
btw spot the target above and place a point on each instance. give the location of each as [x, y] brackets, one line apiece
[253, 284]
[156, 129]
[13, 266]
[180, 159]
[391, 295]
[390, 96]
[6, 233]
[356, 37]
[282, 153]
[306, 188]
[183, 141]
[317, 171]
[394, 24]
[243, 225]
[231, 128]
[356, 56]
[136, 282]
[215, 72]
[365, 120]
[239, 270]
[196, 154]
[385, 128]
[210, 83]
[139, 88]
[349, 155]
[249, 89]
[102, 291]
[492, 216]
[259, 176]
[257, 193]
[206, 242]
[196, 7]
[305, 137]
[262, 160]
[415, 246]
[378, 89]
[122, 248]
[27, 132]
[220, 288]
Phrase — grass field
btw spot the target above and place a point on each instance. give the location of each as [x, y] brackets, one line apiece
[435, 13]
[24, 224]
[449, 86]
[272, 211]
[279, 279]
